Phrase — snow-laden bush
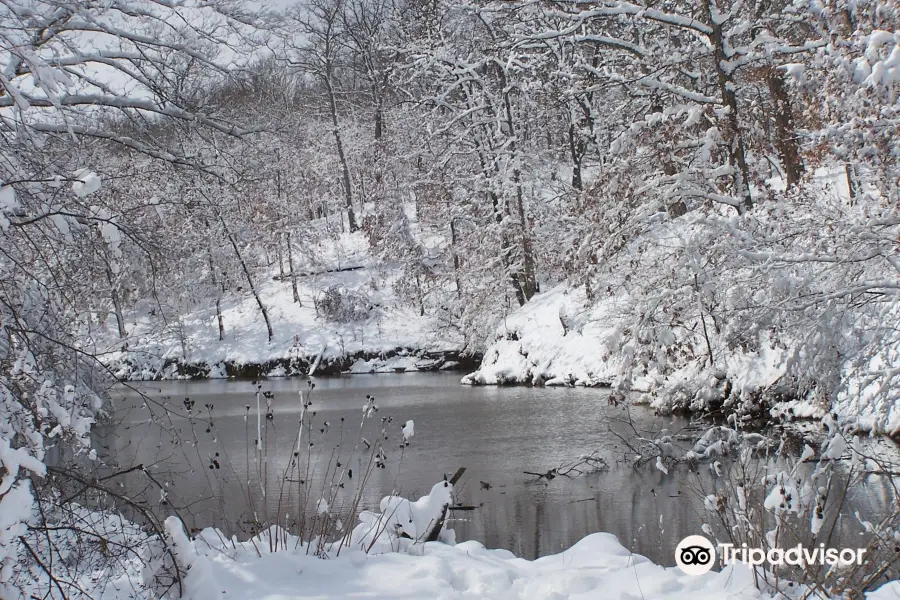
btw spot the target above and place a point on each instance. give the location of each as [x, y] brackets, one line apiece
[785, 500]
[45, 399]
[339, 304]
[785, 302]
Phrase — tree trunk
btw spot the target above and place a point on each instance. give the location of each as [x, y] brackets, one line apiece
[117, 303]
[293, 273]
[785, 138]
[219, 290]
[345, 169]
[576, 159]
[240, 257]
[434, 533]
[506, 248]
[421, 296]
[280, 255]
[852, 181]
[733, 135]
[526, 278]
[379, 122]
[219, 318]
[259, 302]
[455, 258]
[529, 281]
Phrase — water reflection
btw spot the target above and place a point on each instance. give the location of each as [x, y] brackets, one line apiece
[496, 433]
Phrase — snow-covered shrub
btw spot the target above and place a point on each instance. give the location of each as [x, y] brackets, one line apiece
[337, 303]
[786, 499]
[91, 551]
[46, 397]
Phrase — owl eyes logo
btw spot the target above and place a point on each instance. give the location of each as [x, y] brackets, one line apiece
[695, 555]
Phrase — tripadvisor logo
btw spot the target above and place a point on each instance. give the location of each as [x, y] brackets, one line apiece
[696, 555]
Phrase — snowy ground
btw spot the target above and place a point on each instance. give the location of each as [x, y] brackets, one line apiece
[596, 567]
[534, 347]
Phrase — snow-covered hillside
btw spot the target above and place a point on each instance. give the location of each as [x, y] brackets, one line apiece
[375, 330]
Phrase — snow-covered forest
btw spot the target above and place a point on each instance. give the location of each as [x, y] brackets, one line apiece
[696, 203]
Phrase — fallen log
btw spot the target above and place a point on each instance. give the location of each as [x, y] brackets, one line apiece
[551, 474]
[435, 530]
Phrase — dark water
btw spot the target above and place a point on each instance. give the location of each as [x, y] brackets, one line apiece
[496, 433]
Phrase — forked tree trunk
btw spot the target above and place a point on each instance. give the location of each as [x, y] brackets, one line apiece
[259, 302]
[240, 257]
[526, 277]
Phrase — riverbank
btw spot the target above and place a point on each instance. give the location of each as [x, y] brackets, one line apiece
[396, 360]
[561, 338]
[349, 315]
[597, 566]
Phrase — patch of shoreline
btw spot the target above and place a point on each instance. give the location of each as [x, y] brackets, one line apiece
[399, 360]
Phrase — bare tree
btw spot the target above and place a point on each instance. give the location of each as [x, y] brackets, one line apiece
[320, 52]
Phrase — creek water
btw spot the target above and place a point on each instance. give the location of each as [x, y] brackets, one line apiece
[213, 474]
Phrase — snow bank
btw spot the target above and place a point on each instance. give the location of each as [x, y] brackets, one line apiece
[559, 338]
[596, 567]
[552, 340]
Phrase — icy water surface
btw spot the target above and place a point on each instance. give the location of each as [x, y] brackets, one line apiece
[496, 433]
